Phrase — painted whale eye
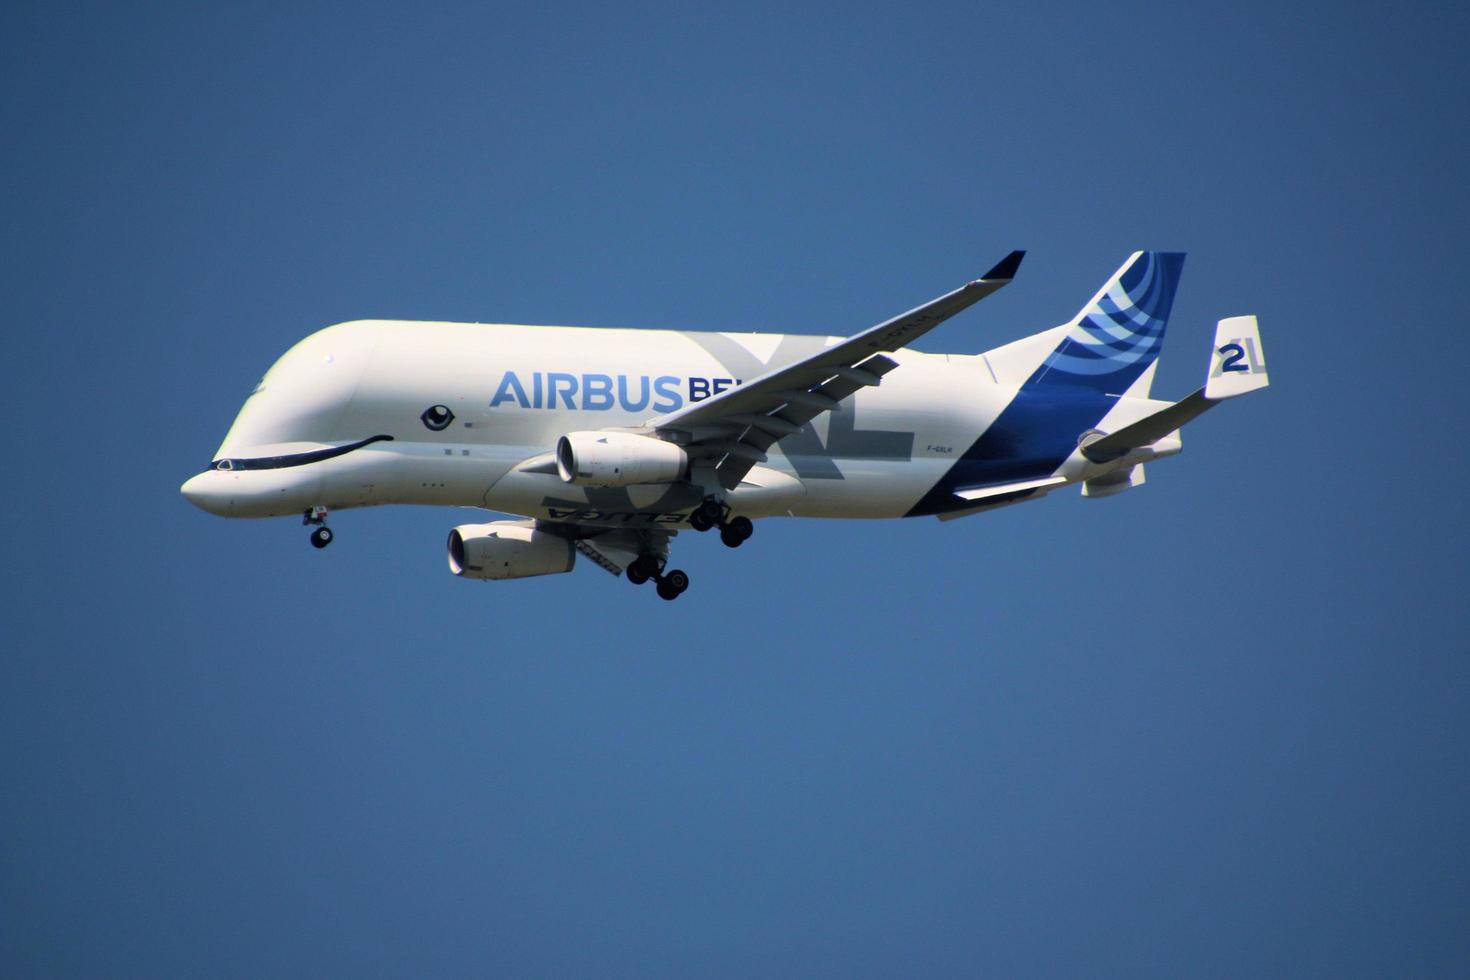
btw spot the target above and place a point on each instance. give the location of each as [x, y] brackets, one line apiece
[437, 417]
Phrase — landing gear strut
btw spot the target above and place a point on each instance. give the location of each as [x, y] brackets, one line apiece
[671, 584]
[713, 512]
[321, 535]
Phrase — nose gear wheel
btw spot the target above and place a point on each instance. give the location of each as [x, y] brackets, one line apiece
[321, 535]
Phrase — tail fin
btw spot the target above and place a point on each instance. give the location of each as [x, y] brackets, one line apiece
[1116, 336]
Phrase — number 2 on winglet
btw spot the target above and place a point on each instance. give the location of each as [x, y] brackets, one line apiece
[1234, 354]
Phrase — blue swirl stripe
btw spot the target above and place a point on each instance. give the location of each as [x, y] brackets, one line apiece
[1120, 333]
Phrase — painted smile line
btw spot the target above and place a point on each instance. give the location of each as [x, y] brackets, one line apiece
[294, 459]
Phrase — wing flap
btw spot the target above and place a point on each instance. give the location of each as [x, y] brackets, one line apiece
[614, 550]
[604, 561]
[989, 498]
[986, 493]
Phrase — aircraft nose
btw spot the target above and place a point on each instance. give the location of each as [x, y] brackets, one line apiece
[204, 492]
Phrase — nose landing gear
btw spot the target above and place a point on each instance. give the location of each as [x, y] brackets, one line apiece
[321, 535]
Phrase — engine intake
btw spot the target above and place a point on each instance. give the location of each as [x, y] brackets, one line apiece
[617, 459]
[508, 549]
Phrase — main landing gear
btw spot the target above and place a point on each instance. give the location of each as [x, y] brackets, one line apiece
[670, 586]
[321, 535]
[713, 512]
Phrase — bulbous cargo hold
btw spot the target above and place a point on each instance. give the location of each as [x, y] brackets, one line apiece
[618, 459]
[508, 549]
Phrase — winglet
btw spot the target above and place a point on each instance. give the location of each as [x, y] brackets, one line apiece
[1006, 267]
[1238, 364]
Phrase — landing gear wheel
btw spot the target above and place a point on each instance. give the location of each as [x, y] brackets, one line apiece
[736, 532]
[317, 516]
[708, 514]
[643, 568]
[672, 585]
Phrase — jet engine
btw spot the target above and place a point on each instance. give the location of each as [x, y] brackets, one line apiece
[507, 549]
[617, 459]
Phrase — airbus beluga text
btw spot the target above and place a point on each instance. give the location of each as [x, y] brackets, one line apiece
[610, 442]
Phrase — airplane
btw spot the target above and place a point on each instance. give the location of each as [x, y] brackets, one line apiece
[606, 443]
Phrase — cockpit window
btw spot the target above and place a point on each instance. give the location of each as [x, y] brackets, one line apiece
[225, 464]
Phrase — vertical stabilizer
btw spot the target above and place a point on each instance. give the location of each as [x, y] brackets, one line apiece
[1144, 384]
[1118, 335]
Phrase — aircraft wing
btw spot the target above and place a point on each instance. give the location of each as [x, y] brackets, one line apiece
[734, 429]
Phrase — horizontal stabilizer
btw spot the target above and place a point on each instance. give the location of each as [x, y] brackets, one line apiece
[1237, 366]
[1149, 430]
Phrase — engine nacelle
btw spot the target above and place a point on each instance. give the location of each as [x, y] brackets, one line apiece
[617, 459]
[508, 549]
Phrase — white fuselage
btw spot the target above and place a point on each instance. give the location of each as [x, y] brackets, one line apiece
[514, 390]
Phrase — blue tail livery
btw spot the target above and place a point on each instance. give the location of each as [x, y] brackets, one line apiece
[1116, 336]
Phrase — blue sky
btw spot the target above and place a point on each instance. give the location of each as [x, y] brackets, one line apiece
[1216, 726]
